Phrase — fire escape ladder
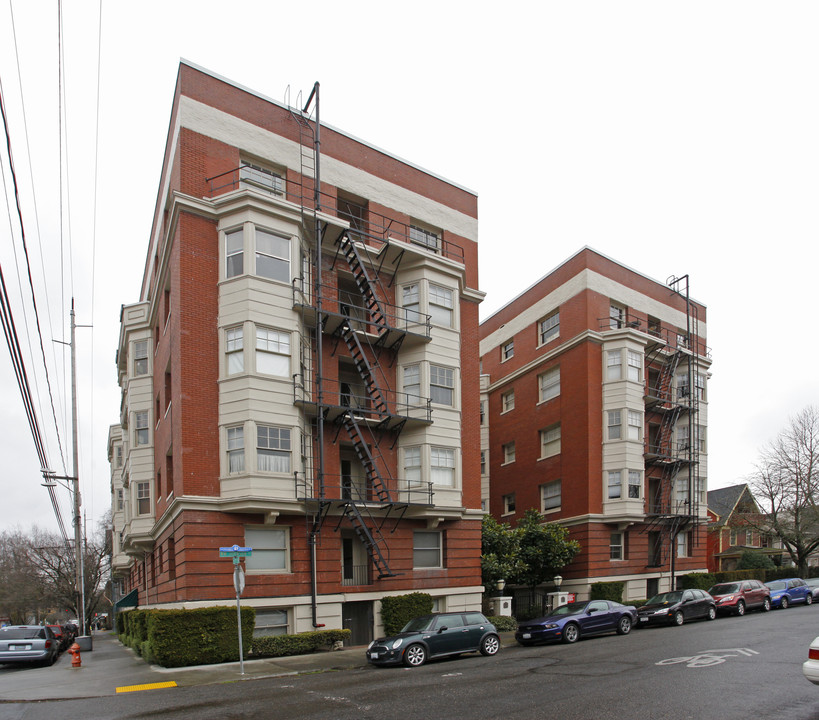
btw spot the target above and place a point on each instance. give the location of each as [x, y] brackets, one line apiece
[371, 538]
[365, 455]
[307, 160]
[363, 366]
[365, 284]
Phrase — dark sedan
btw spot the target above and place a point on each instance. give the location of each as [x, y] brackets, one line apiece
[571, 622]
[433, 636]
[28, 644]
[677, 606]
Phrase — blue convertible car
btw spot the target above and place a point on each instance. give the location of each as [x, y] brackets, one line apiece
[571, 622]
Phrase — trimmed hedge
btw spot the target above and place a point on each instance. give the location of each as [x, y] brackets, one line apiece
[704, 581]
[298, 644]
[607, 591]
[398, 610]
[177, 638]
[504, 623]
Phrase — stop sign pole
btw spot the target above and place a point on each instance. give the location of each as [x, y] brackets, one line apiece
[236, 552]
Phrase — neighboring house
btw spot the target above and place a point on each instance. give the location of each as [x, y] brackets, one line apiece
[729, 531]
[596, 381]
[299, 375]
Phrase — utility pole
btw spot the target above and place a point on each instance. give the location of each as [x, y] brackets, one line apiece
[78, 544]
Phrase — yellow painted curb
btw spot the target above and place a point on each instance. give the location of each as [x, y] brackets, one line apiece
[150, 686]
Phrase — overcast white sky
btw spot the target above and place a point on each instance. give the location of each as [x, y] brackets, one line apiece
[675, 137]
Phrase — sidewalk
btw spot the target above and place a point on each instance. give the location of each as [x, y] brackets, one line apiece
[111, 665]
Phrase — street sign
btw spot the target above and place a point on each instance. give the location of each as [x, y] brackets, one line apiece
[235, 551]
[239, 579]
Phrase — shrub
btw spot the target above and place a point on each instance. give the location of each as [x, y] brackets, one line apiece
[607, 591]
[699, 581]
[298, 644]
[398, 610]
[530, 612]
[504, 623]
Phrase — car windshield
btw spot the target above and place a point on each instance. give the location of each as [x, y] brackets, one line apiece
[570, 609]
[668, 598]
[419, 624]
[13, 633]
[724, 589]
[776, 585]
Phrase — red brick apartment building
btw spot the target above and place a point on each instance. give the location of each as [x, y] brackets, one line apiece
[300, 374]
[589, 416]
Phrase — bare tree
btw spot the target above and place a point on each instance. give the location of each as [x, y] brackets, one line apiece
[786, 485]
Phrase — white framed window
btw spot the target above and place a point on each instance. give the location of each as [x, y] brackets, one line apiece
[549, 384]
[635, 366]
[273, 449]
[442, 466]
[509, 453]
[682, 545]
[271, 549]
[614, 365]
[118, 456]
[550, 441]
[483, 462]
[483, 412]
[234, 349]
[635, 425]
[507, 350]
[509, 503]
[270, 622]
[699, 381]
[141, 428]
[683, 437]
[423, 237]
[412, 383]
[262, 177]
[614, 424]
[616, 549]
[617, 316]
[550, 496]
[143, 498]
[141, 357]
[412, 466]
[699, 440]
[441, 305]
[635, 484]
[234, 252]
[615, 484]
[236, 449]
[272, 256]
[508, 401]
[441, 385]
[411, 302]
[549, 328]
[426, 549]
[120, 499]
[272, 352]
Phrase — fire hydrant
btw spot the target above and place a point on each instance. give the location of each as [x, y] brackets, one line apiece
[76, 660]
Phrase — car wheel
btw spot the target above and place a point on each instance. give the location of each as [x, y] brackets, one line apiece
[490, 645]
[809, 600]
[571, 633]
[766, 605]
[784, 602]
[415, 655]
[740, 608]
[624, 625]
[678, 618]
[712, 613]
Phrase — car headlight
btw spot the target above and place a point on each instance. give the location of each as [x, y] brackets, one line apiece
[372, 642]
[550, 626]
[727, 598]
[662, 611]
[397, 643]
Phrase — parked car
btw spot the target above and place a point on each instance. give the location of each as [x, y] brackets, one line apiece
[434, 636]
[810, 668]
[789, 591]
[676, 607]
[60, 635]
[813, 584]
[28, 644]
[737, 597]
[578, 619]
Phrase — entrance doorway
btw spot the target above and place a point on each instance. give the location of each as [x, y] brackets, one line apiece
[358, 618]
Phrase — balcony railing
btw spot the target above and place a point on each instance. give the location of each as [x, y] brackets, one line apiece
[356, 575]
[374, 229]
[343, 488]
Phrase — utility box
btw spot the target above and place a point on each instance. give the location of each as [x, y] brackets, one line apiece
[501, 606]
[85, 642]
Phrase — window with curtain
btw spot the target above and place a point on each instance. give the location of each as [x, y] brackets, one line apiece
[270, 548]
[234, 253]
[441, 305]
[236, 449]
[441, 384]
[442, 466]
[550, 495]
[549, 328]
[614, 365]
[272, 352]
[426, 549]
[272, 256]
[412, 465]
[234, 348]
[615, 484]
[549, 384]
[273, 449]
[411, 302]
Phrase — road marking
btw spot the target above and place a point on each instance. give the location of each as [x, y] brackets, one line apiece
[149, 686]
[707, 658]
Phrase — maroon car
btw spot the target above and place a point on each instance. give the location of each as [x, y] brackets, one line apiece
[737, 597]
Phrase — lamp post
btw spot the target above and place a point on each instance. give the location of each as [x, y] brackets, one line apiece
[558, 579]
[501, 584]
